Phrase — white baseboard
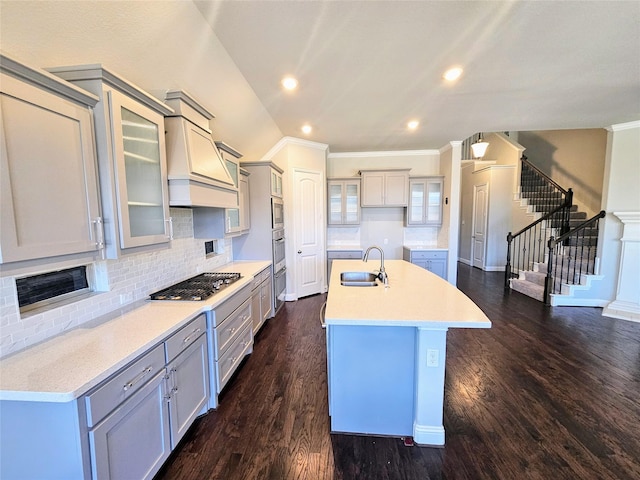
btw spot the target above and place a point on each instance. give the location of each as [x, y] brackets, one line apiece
[494, 269]
[465, 261]
[428, 435]
[623, 310]
[568, 301]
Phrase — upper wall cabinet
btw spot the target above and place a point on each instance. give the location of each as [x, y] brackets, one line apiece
[385, 188]
[425, 202]
[344, 201]
[131, 159]
[198, 175]
[48, 183]
[276, 183]
[236, 218]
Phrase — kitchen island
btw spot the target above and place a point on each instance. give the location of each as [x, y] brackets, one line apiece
[386, 350]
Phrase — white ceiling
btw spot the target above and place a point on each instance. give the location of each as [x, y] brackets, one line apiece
[365, 68]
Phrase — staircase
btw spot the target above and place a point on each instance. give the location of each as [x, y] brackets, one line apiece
[555, 256]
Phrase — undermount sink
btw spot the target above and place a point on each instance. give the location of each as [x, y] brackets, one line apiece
[358, 279]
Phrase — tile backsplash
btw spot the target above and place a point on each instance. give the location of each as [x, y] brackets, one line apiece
[119, 282]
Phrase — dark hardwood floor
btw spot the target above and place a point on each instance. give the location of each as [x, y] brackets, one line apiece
[546, 393]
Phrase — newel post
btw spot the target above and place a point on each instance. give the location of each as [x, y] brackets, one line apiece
[507, 268]
[548, 281]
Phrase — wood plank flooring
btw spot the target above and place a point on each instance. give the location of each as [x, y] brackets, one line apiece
[547, 393]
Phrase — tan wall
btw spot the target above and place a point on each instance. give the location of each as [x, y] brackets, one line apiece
[573, 159]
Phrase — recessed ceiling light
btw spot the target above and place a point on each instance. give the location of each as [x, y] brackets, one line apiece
[452, 74]
[306, 129]
[289, 83]
[413, 124]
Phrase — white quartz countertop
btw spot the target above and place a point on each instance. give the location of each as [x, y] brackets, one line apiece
[415, 298]
[67, 366]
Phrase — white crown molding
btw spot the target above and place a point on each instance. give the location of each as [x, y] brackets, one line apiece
[389, 153]
[306, 143]
[285, 141]
[97, 71]
[450, 145]
[624, 126]
[44, 79]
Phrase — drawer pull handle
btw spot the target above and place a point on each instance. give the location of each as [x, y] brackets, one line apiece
[323, 308]
[131, 383]
[231, 330]
[188, 337]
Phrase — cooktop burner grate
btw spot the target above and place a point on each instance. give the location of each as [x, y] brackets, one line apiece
[197, 288]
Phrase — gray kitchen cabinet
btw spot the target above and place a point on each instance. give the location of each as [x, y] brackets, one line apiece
[261, 301]
[149, 417]
[425, 202]
[245, 201]
[341, 254]
[433, 260]
[130, 140]
[189, 387]
[385, 188]
[49, 200]
[230, 337]
[123, 428]
[276, 183]
[133, 442]
[234, 216]
[344, 201]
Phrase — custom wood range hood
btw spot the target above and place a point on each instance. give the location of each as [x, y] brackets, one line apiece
[198, 176]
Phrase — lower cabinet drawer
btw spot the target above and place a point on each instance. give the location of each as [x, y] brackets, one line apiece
[184, 337]
[265, 274]
[225, 333]
[123, 385]
[428, 255]
[228, 362]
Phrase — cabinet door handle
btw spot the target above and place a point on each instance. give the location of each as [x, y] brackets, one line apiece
[190, 336]
[142, 374]
[99, 232]
[170, 222]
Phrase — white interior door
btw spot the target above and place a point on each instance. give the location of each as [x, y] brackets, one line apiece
[479, 229]
[308, 213]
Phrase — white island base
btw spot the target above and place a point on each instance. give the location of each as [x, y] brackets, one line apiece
[386, 351]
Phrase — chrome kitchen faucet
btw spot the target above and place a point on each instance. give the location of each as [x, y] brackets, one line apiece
[383, 273]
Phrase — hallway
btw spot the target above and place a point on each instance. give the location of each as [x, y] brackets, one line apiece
[545, 393]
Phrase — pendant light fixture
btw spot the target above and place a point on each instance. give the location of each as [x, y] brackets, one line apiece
[479, 148]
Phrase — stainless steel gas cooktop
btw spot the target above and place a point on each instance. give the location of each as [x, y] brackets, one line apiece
[197, 288]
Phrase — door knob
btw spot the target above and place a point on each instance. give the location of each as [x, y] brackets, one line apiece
[299, 251]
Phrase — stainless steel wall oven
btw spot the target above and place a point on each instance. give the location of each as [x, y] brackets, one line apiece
[279, 268]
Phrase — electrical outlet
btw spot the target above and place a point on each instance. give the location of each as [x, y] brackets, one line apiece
[432, 358]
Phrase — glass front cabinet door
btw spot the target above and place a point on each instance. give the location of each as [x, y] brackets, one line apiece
[132, 165]
[138, 145]
[234, 215]
[425, 202]
[344, 202]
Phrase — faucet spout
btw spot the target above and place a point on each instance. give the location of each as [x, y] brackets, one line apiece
[383, 273]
